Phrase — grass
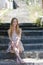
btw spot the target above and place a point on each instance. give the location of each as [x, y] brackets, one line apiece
[34, 12]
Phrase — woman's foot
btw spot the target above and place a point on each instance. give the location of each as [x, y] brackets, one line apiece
[17, 61]
[20, 61]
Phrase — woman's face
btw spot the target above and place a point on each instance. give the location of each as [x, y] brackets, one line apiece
[14, 23]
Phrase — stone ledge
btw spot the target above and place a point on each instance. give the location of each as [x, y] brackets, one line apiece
[27, 62]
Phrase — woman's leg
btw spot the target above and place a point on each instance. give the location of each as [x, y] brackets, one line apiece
[18, 55]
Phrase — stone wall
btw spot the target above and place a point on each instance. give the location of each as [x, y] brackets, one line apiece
[3, 4]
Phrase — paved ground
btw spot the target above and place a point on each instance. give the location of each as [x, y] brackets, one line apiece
[21, 13]
[2, 12]
[28, 62]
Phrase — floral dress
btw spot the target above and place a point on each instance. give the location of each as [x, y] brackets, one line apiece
[15, 38]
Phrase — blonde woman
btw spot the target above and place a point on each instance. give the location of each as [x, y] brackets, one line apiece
[15, 45]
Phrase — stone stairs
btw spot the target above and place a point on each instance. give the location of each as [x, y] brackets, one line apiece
[32, 39]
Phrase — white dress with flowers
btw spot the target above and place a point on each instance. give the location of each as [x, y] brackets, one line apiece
[15, 38]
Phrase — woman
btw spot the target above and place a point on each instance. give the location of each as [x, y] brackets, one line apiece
[15, 45]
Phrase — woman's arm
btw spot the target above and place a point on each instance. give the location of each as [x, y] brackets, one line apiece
[9, 34]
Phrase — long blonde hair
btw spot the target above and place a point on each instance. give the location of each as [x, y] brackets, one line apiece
[11, 29]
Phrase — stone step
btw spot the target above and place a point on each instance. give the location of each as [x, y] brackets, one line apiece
[34, 54]
[32, 28]
[34, 44]
[5, 55]
[8, 62]
[26, 46]
[12, 56]
[24, 40]
[8, 55]
[23, 28]
[32, 41]
[33, 32]
[23, 36]
[28, 54]
[33, 47]
[28, 30]
[5, 39]
[24, 32]
[5, 26]
[31, 37]
[28, 61]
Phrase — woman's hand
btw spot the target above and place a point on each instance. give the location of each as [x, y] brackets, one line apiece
[18, 39]
[12, 44]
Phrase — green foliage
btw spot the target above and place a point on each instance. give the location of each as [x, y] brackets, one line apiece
[34, 12]
[38, 21]
[27, 2]
[10, 0]
[0, 20]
